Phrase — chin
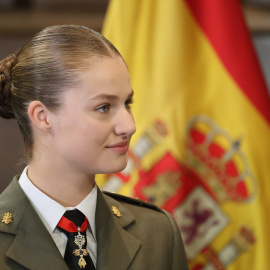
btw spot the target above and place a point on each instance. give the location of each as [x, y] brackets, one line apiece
[115, 168]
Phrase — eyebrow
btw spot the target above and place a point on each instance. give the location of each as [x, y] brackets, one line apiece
[110, 97]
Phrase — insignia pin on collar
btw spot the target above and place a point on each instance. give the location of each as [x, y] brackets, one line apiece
[7, 218]
[116, 211]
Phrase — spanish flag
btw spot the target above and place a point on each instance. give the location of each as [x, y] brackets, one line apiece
[202, 146]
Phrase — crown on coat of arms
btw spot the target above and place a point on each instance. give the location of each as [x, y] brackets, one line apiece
[218, 161]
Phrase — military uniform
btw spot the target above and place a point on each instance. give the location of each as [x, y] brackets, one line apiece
[131, 234]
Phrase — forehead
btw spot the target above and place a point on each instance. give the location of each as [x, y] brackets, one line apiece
[106, 70]
[108, 76]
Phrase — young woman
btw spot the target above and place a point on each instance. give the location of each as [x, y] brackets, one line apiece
[70, 91]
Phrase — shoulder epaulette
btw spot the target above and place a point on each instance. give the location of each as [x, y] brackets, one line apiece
[133, 201]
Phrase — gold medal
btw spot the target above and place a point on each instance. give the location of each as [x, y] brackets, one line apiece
[79, 252]
[79, 240]
[82, 262]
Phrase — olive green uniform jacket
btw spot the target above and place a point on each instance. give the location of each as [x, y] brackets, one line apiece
[143, 238]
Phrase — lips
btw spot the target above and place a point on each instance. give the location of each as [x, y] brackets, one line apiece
[121, 147]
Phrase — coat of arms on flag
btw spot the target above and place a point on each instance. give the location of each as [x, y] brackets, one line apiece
[202, 110]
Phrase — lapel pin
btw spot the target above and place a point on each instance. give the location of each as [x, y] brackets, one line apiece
[116, 211]
[7, 218]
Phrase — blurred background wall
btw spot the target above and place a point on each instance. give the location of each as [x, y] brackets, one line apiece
[20, 19]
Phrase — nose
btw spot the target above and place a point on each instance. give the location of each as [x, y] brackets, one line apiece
[125, 124]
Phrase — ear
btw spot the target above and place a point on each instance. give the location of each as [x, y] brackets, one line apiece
[39, 115]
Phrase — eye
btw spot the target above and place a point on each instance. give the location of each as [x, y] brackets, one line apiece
[128, 103]
[103, 108]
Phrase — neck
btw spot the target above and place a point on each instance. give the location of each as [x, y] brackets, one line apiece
[63, 185]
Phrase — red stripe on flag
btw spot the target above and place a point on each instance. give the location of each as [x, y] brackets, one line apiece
[223, 23]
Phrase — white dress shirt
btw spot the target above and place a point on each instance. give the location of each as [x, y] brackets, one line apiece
[50, 212]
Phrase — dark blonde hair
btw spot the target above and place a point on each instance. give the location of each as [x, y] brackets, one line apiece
[44, 67]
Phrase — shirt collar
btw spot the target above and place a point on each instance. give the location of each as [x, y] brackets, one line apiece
[51, 211]
[88, 208]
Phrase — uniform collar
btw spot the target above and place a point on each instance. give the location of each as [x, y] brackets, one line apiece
[50, 211]
[32, 244]
[116, 246]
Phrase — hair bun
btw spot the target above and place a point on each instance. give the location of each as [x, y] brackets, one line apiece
[6, 110]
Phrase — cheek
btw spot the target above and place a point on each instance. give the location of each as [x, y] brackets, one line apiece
[96, 132]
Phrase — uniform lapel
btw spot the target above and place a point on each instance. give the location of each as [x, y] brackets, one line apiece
[32, 247]
[116, 248]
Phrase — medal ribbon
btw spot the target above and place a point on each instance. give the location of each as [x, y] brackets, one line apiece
[69, 226]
